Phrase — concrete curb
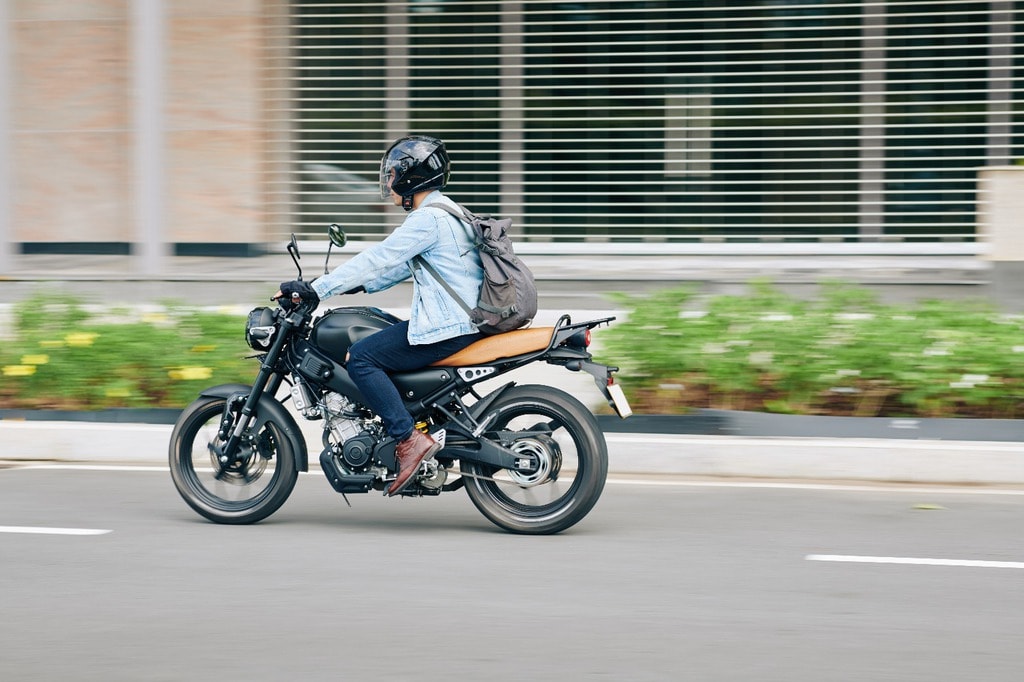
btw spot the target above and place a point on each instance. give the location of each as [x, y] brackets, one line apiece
[813, 458]
[734, 423]
[861, 459]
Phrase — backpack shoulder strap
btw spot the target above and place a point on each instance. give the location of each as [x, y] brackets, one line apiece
[421, 262]
[466, 218]
[462, 214]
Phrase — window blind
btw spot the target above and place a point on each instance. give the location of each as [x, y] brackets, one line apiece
[665, 122]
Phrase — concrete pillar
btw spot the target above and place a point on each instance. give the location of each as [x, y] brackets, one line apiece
[1001, 226]
[148, 31]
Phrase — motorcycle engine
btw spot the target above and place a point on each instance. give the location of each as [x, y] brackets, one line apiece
[342, 417]
[353, 438]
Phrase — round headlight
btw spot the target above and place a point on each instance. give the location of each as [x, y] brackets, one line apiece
[260, 328]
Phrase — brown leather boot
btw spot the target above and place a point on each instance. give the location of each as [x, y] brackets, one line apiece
[409, 453]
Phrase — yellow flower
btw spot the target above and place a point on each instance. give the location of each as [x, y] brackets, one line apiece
[156, 318]
[19, 370]
[56, 343]
[80, 339]
[118, 392]
[190, 373]
[204, 348]
[35, 359]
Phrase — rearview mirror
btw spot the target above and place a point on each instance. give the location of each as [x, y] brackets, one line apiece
[337, 235]
[338, 238]
[293, 250]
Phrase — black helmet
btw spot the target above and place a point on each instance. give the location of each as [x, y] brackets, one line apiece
[420, 163]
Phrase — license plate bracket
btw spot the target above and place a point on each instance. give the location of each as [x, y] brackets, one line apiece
[618, 400]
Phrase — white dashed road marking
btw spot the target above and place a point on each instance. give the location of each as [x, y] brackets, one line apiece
[966, 563]
[36, 530]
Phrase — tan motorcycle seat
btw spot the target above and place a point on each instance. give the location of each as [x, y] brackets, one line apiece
[505, 345]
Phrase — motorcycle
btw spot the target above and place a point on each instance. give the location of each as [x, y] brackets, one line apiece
[532, 458]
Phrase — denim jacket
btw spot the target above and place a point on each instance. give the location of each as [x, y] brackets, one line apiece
[446, 244]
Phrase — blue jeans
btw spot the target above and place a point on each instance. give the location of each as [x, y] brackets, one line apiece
[389, 350]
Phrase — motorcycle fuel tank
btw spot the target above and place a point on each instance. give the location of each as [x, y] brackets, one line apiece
[337, 329]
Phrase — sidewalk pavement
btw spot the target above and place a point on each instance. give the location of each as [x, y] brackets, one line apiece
[581, 280]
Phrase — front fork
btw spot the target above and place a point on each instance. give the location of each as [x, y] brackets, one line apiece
[267, 381]
[236, 420]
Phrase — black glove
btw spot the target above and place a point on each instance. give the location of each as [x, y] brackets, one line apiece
[301, 290]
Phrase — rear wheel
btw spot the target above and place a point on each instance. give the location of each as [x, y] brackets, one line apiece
[245, 492]
[562, 436]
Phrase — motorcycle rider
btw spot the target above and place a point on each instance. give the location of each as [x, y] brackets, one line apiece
[412, 173]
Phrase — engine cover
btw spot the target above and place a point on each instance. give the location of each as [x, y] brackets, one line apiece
[358, 451]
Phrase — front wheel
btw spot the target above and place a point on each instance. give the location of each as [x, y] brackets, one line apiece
[249, 490]
[562, 436]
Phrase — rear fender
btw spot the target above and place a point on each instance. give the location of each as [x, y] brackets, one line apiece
[481, 406]
[268, 410]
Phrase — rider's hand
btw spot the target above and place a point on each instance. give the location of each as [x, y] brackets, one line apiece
[297, 291]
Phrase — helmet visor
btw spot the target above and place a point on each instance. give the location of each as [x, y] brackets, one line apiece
[387, 174]
[399, 166]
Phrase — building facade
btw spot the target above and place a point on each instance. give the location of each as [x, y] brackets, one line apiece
[159, 127]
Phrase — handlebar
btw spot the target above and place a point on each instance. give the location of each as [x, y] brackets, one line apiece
[295, 303]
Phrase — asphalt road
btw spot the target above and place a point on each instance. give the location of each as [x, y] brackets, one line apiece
[665, 580]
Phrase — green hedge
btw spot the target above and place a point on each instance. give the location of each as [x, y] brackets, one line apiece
[844, 353]
[62, 356]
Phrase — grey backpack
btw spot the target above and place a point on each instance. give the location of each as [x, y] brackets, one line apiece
[508, 295]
